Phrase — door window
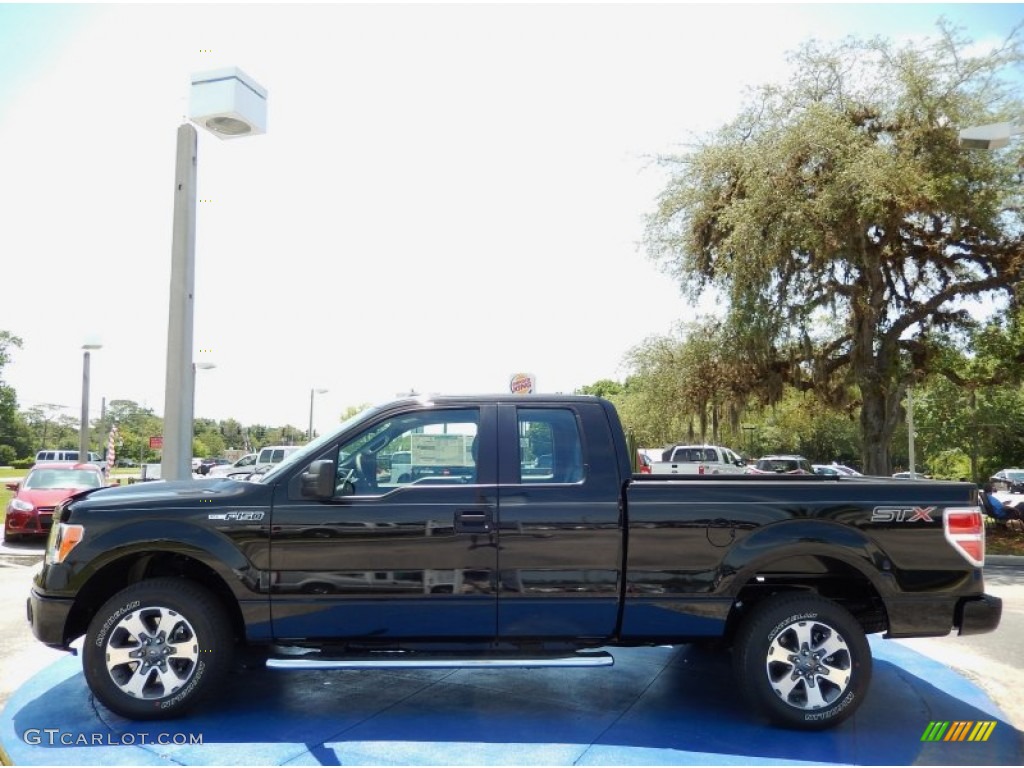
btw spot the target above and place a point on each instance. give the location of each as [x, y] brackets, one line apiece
[435, 447]
[550, 450]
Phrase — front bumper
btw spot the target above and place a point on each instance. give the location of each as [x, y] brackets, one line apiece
[977, 615]
[48, 616]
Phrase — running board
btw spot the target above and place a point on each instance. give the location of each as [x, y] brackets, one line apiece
[410, 660]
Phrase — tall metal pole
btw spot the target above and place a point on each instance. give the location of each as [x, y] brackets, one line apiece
[83, 434]
[910, 430]
[177, 444]
[311, 393]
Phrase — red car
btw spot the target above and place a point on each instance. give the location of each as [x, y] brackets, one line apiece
[30, 512]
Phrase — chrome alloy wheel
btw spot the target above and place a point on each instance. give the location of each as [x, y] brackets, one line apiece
[809, 665]
[151, 653]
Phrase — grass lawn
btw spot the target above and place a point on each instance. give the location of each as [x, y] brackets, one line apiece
[1005, 540]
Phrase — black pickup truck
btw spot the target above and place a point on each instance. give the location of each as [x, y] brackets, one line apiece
[545, 551]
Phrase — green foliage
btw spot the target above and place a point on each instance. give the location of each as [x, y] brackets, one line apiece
[844, 226]
[605, 388]
[7, 455]
[13, 432]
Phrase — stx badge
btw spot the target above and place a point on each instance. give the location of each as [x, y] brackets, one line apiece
[902, 514]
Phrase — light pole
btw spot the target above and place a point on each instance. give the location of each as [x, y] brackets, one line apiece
[83, 435]
[312, 392]
[750, 429]
[910, 433]
[229, 104]
[200, 366]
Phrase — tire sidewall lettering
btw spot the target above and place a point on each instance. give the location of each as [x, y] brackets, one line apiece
[831, 712]
[183, 694]
[114, 617]
[788, 622]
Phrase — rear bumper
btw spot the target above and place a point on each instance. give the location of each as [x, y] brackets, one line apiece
[977, 615]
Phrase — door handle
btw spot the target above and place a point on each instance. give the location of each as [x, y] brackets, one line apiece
[473, 521]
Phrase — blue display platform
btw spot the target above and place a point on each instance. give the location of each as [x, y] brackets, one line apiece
[656, 706]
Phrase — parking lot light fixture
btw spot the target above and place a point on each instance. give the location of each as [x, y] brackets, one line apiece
[229, 104]
[990, 136]
[83, 435]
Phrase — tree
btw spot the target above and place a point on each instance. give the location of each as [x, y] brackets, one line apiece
[14, 432]
[692, 382]
[843, 224]
[135, 425]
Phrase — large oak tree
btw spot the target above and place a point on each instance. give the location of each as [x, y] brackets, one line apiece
[843, 225]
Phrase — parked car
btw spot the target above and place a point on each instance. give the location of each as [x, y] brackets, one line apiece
[65, 455]
[1009, 480]
[271, 455]
[246, 464]
[207, 464]
[826, 470]
[698, 460]
[835, 470]
[30, 512]
[781, 465]
[644, 463]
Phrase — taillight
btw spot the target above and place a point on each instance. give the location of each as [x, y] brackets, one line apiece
[700, 469]
[965, 530]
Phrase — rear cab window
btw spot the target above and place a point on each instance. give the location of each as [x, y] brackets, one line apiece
[550, 449]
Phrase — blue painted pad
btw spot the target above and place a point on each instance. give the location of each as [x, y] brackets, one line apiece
[656, 706]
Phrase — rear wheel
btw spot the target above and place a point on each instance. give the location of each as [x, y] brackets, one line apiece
[802, 661]
[156, 648]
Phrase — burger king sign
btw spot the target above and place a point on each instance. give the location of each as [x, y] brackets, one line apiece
[522, 383]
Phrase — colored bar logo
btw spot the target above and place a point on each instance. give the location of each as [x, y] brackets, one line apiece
[958, 730]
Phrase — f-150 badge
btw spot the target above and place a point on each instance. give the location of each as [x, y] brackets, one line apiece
[247, 517]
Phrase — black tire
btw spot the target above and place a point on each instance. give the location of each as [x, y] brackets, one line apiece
[802, 661]
[156, 648]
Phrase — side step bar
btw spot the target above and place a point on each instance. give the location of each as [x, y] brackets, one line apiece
[410, 660]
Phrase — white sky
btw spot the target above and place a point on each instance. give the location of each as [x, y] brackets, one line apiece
[445, 195]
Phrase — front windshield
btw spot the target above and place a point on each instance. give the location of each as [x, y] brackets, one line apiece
[310, 449]
[63, 478]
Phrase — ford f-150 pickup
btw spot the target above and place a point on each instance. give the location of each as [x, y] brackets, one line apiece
[545, 550]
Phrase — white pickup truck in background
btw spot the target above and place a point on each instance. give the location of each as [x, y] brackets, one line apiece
[699, 460]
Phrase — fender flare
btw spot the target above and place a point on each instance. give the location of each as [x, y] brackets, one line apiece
[805, 538]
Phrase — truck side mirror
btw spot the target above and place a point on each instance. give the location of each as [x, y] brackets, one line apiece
[318, 480]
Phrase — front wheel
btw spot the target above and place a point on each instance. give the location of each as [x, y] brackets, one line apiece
[156, 648]
[803, 661]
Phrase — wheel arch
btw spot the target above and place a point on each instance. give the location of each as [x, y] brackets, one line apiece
[214, 564]
[831, 560]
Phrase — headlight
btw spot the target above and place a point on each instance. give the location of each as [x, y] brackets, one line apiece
[63, 538]
[21, 505]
